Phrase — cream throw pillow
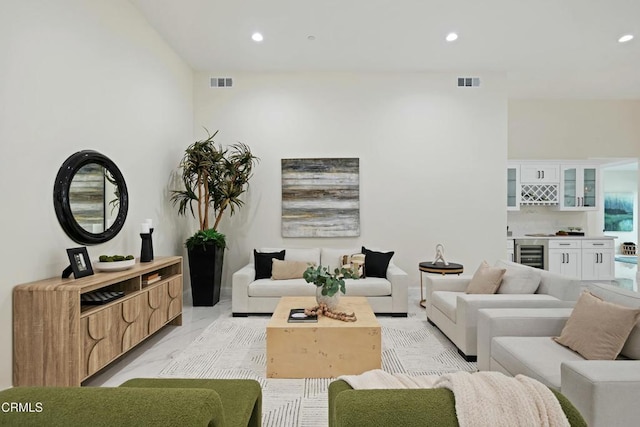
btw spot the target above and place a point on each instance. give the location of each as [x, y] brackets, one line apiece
[282, 270]
[598, 329]
[485, 280]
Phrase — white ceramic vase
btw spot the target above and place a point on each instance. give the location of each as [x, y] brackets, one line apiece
[331, 301]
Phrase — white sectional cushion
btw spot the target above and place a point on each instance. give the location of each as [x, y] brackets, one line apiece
[369, 287]
[518, 279]
[536, 357]
[446, 301]
[306, 255]
[281, 288]
[332, 258]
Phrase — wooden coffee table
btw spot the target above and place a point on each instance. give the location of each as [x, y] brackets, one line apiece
[325, 349]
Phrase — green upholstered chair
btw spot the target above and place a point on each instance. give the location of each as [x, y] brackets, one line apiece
[138, 402]
[404, 407]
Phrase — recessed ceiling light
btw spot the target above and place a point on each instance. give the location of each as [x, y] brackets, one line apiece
[311, 38]
[625, 38]
[452, 37]
[257, 37]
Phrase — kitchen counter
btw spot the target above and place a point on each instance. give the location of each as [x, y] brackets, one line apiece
[550, 237]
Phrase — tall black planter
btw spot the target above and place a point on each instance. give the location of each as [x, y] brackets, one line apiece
[205, 265]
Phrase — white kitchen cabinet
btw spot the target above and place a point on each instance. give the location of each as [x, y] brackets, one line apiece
[565, 257]
[513, 187]
[511, 253]
[578, 188]
[598, 260]
[538, 173]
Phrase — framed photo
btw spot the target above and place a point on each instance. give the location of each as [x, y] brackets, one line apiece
[80, 263]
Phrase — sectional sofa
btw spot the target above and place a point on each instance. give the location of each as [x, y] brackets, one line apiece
[455, 312]
[386, 295]
[518, 341]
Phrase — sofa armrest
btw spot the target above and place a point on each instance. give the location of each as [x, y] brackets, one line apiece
[520, 322]
[604, 391]
[467, 307]
[399, 289]
[241, 398]
[433, 283]
[451, 283]
[390, 407]
[116, 406]
[240, 282]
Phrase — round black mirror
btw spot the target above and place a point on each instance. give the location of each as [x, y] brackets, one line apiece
[90, 198]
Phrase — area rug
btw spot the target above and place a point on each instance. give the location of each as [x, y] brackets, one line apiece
[235, 348]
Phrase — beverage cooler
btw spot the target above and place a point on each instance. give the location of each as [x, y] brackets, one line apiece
[531, 252]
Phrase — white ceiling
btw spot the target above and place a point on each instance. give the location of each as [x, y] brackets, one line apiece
[548, 48]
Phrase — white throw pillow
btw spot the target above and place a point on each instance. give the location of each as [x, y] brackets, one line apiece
[518, 279]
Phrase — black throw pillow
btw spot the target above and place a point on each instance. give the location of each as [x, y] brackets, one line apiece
[263, 262]
[376, 263]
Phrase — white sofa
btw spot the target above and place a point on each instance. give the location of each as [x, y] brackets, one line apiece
[516, 341]
[249, 296]
[455, 312]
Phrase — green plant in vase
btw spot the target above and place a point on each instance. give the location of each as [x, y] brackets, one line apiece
[214, 178]
[328, 283]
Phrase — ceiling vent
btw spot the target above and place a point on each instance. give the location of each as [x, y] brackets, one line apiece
[468, 81]
[221, 82]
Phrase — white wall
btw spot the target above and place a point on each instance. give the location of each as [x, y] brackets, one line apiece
[80, 75]
[623, 182]
[432, 158]
[574, 129]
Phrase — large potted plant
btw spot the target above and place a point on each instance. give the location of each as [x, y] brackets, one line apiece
[214, 179]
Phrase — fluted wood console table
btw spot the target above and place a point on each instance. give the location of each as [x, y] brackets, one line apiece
[60, 341]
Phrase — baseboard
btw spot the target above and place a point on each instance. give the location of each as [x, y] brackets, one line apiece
[468, 358]
[250, 314]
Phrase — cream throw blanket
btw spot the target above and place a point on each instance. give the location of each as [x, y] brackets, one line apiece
[489, 399]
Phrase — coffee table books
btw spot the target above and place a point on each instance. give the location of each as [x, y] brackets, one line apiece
[296, 315]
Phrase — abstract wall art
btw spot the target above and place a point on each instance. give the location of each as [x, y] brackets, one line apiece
[618, 212]
[321, 197]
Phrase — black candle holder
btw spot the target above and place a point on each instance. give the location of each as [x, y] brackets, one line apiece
[146, 254]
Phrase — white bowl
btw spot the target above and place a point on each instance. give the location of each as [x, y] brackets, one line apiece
[114, 265]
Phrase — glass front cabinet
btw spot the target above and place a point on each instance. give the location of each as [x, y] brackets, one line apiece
[513, 187]
[578, 188]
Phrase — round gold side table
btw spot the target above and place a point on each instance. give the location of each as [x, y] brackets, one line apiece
[437, 268]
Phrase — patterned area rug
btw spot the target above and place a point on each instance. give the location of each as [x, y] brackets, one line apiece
[235, 348]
